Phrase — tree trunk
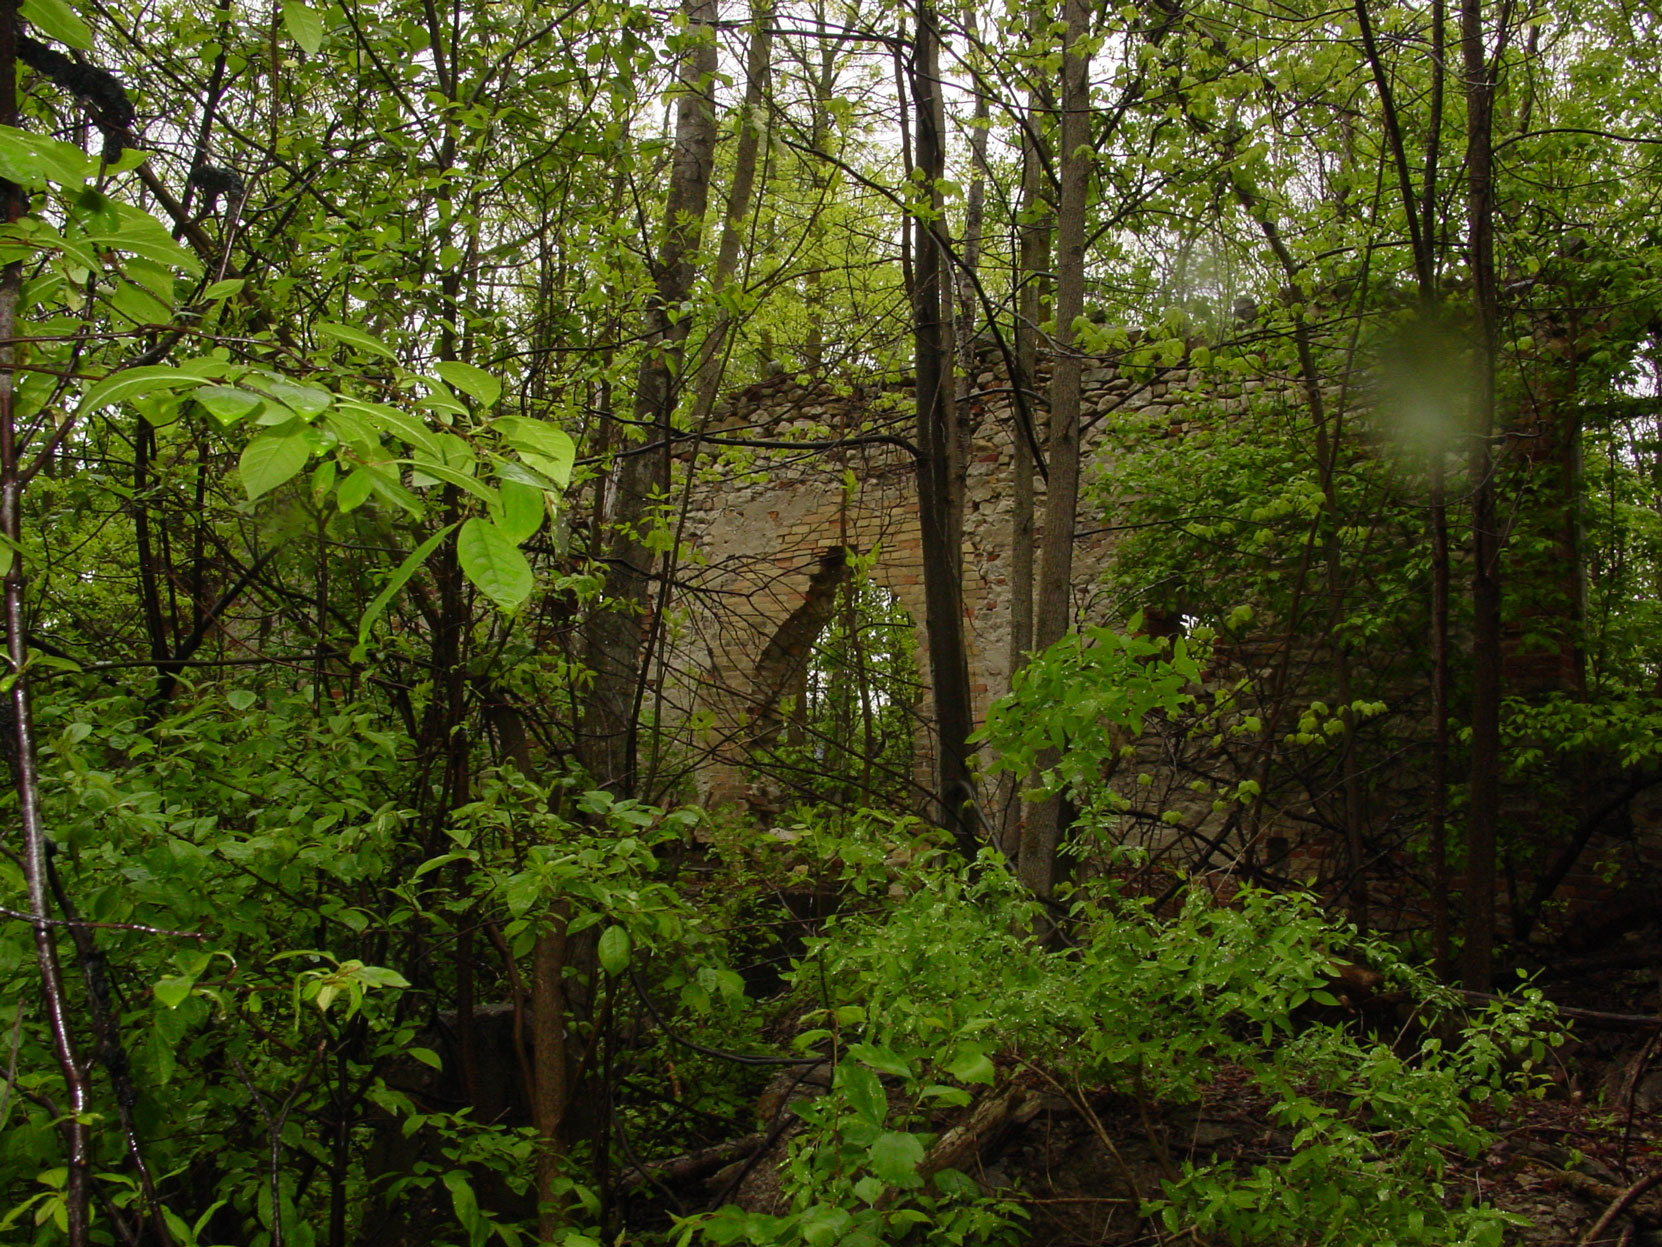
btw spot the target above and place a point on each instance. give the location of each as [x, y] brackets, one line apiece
[1042, 832]
[1032, 308]
[1477, 961]
[940, 458]
[608, 736]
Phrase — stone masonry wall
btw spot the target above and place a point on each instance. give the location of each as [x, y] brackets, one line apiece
[758, 537]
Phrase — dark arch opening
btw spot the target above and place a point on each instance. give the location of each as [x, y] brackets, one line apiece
[836, 718]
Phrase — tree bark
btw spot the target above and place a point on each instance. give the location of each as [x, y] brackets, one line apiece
[940, 458]
[613, 653]
[1032, 308]
[1483, 814]
[1042, 833]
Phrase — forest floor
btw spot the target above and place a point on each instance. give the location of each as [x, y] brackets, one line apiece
[1081, 1163]
[1559, 1161]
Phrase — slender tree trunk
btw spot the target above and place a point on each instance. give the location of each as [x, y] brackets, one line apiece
[1437, 815]
[1483, 804]
[551, 1090]
[614, 649]
[712, 355]
[20, 748]
[1032, 308]
[975, 198]
[1042, 833]
[607, 745]
[940, 458]
[752, 123]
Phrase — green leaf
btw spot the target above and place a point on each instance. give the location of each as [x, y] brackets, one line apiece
[426, 1056]
[143, 235]
[33, 160]
[439, 398]
[354, 489]
[467, 1207]
[303, 25]
[268, 461]
[224, 289]
[173, 992]
[58, 22]
[461, 480]
[356, 338]
[864, 1092]
[227, 404]
[399, 578]
[883, 1060]
[474, 382]
[494, 563]
[895, 1157]
[239, 699]
[537, 441]
[132, 383]
[411, 430]
[970, 1064]
[308, 400]
[520, 511]
[614, 950]
[556, 472]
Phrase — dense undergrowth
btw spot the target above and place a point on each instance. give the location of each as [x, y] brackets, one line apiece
[274, 952]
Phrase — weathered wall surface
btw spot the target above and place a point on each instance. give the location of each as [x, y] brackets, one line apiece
[763, 542]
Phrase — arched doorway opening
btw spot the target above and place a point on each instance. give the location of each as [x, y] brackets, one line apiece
[843, 728]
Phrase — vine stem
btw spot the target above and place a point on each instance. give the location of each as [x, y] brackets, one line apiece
[24, 776]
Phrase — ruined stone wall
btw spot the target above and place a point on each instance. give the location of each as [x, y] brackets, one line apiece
[794, 475]
[766, 527]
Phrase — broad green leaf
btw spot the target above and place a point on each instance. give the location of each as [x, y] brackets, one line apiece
[133, 383]
[58, 22]
[537, 441]
[268, 461]
[227, 404]
[555, 472]
[304, 26]
[864, 1092]
[494, 563]
[439, 398]
[308, 400]
[224, 289]
[883, 1060]
[357, 338]
[354, 489]
[462, 1198]
[474, 382]
[411, 430]
[172, 992]
[970, 1064]
[33, 160]
[439, 472]
[895, 1157]
[520, 511]
[399, 578]
[387, 486]
[137, 305]
[274, 414]
[614, 950]
[143, 235]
